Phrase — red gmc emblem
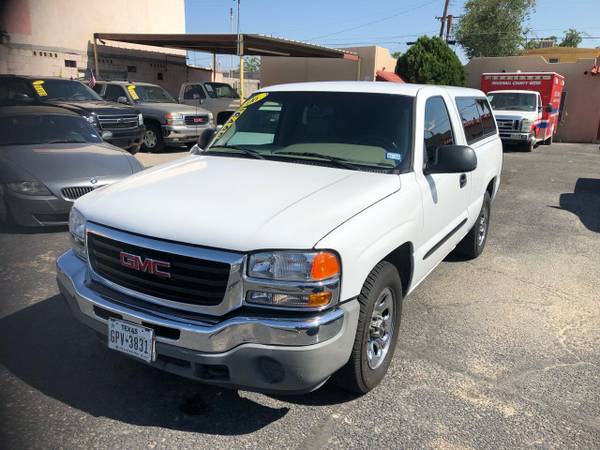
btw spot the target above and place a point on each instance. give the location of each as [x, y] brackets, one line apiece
[198, 119]
[146, 265]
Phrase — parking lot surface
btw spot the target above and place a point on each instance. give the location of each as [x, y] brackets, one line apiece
[499, 352]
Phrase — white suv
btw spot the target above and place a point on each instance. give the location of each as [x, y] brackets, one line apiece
[280, 255]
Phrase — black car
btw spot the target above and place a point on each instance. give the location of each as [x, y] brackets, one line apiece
[124, 122]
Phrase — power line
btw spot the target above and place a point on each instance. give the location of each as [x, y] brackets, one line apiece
[376, 21]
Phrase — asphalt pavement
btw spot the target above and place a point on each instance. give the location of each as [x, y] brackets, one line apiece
[499, 352]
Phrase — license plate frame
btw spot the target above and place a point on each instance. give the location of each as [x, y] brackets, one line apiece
[132, 339]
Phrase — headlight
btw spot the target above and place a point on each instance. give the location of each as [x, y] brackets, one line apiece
[526, 125]
[77, 224]
[174, 119]
[91, 119]
[293, 279]
[29, 188]
[294, 266]
[140, 119]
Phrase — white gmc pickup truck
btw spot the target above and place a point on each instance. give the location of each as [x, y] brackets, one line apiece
[279, 256]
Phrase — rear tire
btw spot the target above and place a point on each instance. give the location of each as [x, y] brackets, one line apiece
[377, 332]
[153, 139]
[473, 243]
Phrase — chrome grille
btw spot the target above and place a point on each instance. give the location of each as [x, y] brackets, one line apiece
[74, 192]
[507, 124]
[196, 120]
[118, 122]
[191, 280]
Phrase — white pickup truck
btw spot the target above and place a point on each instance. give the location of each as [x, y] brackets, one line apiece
[279, 256]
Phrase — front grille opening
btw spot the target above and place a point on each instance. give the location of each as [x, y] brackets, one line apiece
[105, 314]
[166, 332]
[74, 192]
[192, 280]
[212, 372]
[174, 361]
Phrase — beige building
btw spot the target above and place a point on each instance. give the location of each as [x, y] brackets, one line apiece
[581, 109]
[556, 54]
[279, 69]
[53, 38]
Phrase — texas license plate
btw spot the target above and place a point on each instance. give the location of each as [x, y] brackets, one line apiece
[132, 339]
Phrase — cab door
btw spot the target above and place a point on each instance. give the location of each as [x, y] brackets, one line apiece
[444, 195]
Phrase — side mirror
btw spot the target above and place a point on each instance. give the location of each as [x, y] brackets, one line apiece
[549, 108]
[452, 159]
[123, 99]
[106, 135]
[203, 140]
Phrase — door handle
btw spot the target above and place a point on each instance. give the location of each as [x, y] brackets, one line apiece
[463, 180]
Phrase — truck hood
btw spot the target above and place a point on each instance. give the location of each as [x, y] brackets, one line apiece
[237, 203]
[97, 106]
[150, 108]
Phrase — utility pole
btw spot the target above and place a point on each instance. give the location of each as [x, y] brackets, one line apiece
[240, 52]
[443, 18]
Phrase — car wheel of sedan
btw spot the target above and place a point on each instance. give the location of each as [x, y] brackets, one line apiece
[153, 140]
[377, 332]
[473, 243]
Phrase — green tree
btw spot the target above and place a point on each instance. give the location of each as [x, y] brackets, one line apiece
[572, 38]
[431, 61]
[493, 27]
[396, 55]
[251, 64]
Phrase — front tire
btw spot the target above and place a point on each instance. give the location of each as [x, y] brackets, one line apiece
[474, 242]
[377, 332]
[549, 140]
[153, 139]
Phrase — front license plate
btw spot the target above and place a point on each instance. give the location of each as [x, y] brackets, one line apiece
[131, 339]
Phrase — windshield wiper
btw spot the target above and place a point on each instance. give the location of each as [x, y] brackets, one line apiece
[252, 153]
[340, 162]
[66, 141]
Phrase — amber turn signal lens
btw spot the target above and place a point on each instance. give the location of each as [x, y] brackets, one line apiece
[320, 299]
[325, 265]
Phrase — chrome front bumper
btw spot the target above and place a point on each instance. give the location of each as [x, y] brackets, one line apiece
[308, 347]
[182, 133]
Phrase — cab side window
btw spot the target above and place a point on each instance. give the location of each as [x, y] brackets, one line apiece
[194, 92]
[113, 93]
[487, 118]
[471, 118]
[438, 128]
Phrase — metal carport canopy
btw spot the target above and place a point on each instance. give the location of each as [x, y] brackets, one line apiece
[227, 44]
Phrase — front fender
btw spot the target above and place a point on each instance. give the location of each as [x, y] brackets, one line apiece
[367, 238]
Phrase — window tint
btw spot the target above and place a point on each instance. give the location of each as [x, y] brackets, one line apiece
[97, 88]
[487, 119]
[438, 128]
[113, 92]
[45, 129]
[471, 119]
[193, 92]
[15, 91]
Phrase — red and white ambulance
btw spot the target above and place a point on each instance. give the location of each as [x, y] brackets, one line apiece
[526, 105]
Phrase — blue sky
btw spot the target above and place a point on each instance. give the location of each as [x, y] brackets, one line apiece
[389, 23]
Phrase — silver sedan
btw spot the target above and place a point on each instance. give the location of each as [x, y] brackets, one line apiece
[49, 157]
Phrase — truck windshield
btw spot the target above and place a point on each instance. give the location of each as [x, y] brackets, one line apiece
[149, 94]
[342, 129]
[513, 101]
[68, 90]
[46, 129]
[220, 90]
